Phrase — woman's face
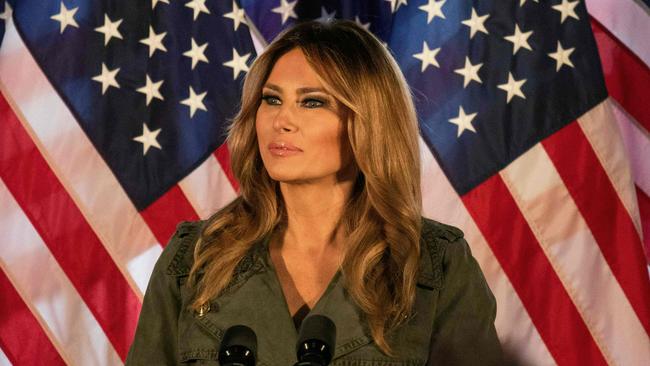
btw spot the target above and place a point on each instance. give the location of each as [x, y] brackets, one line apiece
[300, 129]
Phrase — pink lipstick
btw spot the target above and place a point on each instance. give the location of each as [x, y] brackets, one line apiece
[283, 149]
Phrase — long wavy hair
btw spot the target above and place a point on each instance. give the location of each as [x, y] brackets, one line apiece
[382, 219]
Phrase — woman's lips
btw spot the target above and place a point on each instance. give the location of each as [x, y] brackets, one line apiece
[283, 149]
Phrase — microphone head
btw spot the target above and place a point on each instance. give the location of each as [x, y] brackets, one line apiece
[316, 340]
[238, 347]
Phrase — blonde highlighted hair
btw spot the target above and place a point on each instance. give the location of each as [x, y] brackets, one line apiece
[381, 221]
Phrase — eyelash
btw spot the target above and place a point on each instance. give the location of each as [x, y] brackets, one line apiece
[309, 103]
[271, 99]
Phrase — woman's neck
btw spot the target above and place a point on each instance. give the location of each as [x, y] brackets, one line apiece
[313, 216]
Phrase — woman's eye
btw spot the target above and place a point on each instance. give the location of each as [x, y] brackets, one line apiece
[271, 100]
[312, 103]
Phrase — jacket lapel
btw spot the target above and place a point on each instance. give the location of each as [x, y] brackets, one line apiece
[351, 331]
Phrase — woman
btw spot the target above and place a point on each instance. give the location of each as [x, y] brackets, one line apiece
[325, 148]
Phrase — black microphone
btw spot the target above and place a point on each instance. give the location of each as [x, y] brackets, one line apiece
[238, 347]
[316, 341]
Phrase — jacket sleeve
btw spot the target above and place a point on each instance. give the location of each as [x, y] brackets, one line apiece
[464, 332]
[156, 336]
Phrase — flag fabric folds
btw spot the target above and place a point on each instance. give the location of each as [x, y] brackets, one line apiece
[534, 141]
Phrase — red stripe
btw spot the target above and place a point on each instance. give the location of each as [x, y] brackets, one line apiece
[223, 156]
[22, 338]
[66, 233]
[644, 210]
[514, 245]
[165, 213]
[604, 213]
[626, 76]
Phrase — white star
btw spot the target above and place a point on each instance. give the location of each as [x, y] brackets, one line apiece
[325, 16]
[433, 9]
[513, 87]
[66, 17]
[561, 56]
[148, 139]
[151, 90]
[6, 14]
[427, 56]
[198, 6]
[195, 101]
[154, 41]
[286, 10]
[567, 9]
[395, 4]
[522, 2]
[463, 121]
[237, 15]
[107, 78]
[238, 63]
[365, 26]
[196, 53]
[110, 29]
[519, 39]
[476, 23]
[469, 72]
[155, 2]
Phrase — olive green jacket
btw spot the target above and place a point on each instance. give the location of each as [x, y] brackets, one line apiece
[453, 322]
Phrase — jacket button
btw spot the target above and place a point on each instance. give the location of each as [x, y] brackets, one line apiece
[204, 309]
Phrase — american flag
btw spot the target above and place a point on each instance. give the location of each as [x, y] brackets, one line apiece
[112, 117]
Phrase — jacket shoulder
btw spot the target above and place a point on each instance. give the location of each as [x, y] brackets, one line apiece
[433, 231]
[179, 252]
[434, 239]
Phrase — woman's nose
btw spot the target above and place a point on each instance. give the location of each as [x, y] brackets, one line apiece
[284, 120]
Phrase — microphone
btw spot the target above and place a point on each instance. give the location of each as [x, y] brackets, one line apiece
[316, 341]
[238, 347]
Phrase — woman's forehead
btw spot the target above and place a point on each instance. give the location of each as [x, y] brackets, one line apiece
[293, 70]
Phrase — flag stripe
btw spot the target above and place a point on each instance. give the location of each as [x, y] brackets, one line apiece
[568, 149]
[59, 222]
[223, 156]
[627, 77]
[22, 339]
[166, 212]
[4, 360]
[75, 161]
[566, 240]
[208, 188]
[604, 137]
[627, 20]
[517, 250]
[637, 143]
[441, 202]
[625, 170]
[644, 209]
[52, 298]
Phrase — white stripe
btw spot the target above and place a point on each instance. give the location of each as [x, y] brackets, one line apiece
[627, 20]
[4, 361]
[207, 188]
[637, 145]
[600, 129]
[258, 40]
[74, 160]
[141, 266]
[47, 291]
[575, 256]
[517, 334]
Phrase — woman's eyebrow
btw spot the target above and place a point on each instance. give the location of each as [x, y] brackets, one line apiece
[272, 87]
[306, 90]
[303, 90]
